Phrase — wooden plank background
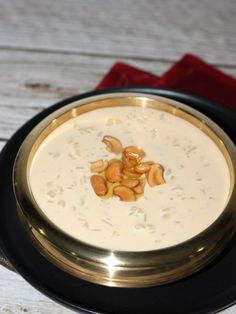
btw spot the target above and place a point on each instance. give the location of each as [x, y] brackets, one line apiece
[50, 50]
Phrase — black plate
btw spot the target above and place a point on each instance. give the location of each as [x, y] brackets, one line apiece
[209, 290]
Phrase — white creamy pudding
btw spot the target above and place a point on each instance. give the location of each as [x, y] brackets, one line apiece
[194, 195]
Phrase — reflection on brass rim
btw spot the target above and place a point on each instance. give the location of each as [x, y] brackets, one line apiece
[121, 268]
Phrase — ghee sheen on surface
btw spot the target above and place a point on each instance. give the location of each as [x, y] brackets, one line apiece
[196, 174]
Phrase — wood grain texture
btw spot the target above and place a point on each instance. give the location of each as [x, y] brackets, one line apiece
[31, 81]
[50, 50]
[148, 29]
[17, 297]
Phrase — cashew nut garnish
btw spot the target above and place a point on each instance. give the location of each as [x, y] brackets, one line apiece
[155, 175]
[99, 185]
[113, 144]
[134, 154]
[139, 189]
[114, 172]
[99, 165]
[124, 177]
[130, 183]
[130, 173]
[142, 168]
[125, 194]
[128, 163]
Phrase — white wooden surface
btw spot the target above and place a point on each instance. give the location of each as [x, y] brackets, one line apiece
[50, 50]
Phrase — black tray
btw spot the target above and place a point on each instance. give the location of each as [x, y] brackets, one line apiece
[207, 291]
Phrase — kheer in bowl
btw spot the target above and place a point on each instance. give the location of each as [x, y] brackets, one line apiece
[163, 232]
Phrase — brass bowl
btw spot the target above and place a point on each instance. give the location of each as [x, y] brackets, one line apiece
[122, 268]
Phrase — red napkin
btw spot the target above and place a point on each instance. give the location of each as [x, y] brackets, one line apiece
[190, 75]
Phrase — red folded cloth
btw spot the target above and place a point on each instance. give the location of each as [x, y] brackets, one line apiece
[190, 75]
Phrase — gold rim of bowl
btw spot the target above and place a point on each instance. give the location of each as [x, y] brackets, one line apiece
[122, 268]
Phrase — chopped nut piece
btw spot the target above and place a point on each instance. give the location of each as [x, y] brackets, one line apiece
[114, 172]
[130, 183]
[155, 175]
[99, 185]
[113, 144]
[134, 154]
[130, 173]
[99, 165]
[142, 168]
[125, 194]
